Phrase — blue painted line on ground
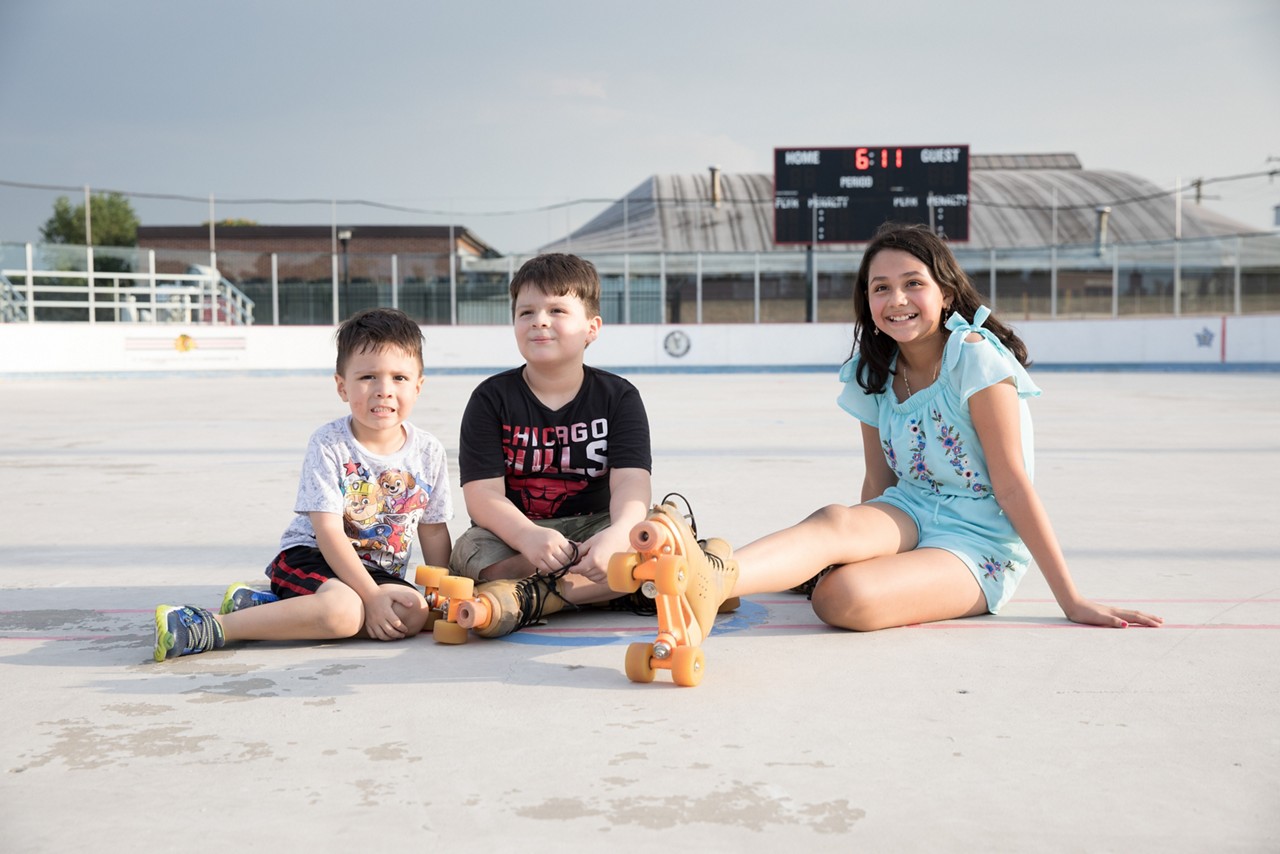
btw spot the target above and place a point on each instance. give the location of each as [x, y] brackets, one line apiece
[1073, 367]
[749, 614]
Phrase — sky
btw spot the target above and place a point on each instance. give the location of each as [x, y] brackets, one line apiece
[502, 116]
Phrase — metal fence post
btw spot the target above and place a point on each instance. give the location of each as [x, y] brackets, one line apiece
[333, 286]
[151, 281]
[453, 281]
[90, 283]
[395, 281]
[991, 277]
[1236, 297]
[756, 290]
[662, 287]
[275, 289]
[698, 287]
[31, 288]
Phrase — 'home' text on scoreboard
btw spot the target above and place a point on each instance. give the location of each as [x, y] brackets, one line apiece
[847, 193]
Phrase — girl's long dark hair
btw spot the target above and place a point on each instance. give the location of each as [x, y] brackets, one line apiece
[878, 350]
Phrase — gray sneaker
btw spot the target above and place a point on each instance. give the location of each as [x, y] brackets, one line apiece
[185, 630]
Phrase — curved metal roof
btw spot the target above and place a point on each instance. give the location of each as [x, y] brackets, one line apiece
[1012, 201]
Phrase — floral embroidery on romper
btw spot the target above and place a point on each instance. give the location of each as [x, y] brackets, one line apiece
[993, 568]
[953, 445]
[919, 468]
[891, 456]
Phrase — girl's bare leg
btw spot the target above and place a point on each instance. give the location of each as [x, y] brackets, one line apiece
[918, 586]
[833, 535]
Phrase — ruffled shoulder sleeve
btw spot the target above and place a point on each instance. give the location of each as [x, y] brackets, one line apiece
[971, 366]
[854, 399]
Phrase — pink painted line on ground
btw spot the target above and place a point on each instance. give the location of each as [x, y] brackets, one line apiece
[614, 630]
[56, 637]
[800, 601]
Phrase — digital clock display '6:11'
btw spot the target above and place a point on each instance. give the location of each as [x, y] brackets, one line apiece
[865, 158]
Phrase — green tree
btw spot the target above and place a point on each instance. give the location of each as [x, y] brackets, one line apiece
[113, 221]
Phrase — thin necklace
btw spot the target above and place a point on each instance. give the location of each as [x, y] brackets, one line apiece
[907, 383]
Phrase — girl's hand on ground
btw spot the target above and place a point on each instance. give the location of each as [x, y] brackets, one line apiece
[1093, 614]
[380, 619]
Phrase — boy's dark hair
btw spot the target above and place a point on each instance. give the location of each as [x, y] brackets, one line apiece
[920, 241]
[377, 329]
[558, 274]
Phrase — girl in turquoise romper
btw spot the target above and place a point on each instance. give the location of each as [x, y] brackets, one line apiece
[949, 519]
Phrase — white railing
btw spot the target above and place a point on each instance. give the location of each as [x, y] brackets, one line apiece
[201, 295]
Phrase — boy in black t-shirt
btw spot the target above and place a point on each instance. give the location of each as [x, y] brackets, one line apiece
[554, 457]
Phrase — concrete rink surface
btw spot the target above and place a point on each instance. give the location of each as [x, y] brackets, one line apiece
[1018, 732]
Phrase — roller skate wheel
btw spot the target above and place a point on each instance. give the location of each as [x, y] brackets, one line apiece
[639, 666]
[450, 633]
[456, 587]
[622, 572]
[687, 666]
[429, 576]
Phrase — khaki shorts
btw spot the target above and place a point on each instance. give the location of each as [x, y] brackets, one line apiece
[480, 548]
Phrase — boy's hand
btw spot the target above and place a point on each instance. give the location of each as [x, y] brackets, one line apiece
[595, 553]
[380, 618]
[546, 549]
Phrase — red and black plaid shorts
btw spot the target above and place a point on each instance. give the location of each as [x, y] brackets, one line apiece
[300, 570]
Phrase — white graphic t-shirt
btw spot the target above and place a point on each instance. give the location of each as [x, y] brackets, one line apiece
[382, 499]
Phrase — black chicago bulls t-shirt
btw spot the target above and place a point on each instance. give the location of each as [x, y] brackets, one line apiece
[555, 463]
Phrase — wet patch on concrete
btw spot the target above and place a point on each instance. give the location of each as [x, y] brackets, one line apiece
[394, 752]
[137, 710]
[748, 806]
[375, 792]
[81, 745]
[236, 689]
[630, 756]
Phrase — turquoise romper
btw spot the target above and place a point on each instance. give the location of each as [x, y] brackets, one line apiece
[930, 443]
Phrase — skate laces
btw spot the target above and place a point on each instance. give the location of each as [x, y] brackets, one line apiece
[533, 593]
[712, 558]
[693, 525]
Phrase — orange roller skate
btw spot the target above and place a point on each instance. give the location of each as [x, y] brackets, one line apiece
[445, 595]
[507, 605]
[689, 580]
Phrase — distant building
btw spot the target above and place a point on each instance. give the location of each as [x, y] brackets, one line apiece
[1012, 199]
[244, 250]
[361, 239]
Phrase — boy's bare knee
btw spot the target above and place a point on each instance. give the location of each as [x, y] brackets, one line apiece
[339, 622]
[342, 614]
[414, 618]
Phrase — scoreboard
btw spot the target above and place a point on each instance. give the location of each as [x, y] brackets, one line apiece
[847, 193]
